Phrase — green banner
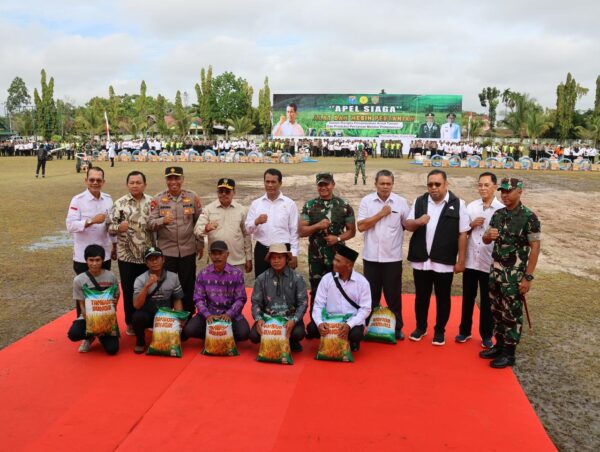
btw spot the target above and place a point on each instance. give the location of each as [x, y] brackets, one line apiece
[367, 115]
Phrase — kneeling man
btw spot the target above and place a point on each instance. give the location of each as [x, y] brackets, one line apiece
[219, 293]
[156, 288]
[280, 291]
[343, 291]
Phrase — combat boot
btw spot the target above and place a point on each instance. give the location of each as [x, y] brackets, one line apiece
[507, 358]
[495, 351]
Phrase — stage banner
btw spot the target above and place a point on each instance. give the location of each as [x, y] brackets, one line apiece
[367, 115]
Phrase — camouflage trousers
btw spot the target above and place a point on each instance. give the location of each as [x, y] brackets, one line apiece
[507, 312]
[359, 167]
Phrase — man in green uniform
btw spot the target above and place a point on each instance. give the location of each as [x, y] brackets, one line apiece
[326, 221]
[360, 157]
[515, 231]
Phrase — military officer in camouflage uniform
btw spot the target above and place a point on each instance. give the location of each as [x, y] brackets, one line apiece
[173, 214]
[326, 221]
[360, 157]
[515, 231]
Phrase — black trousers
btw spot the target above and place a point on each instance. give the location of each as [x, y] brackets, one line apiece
[425, 282]
[140, 320]
[296, 336]
[196, 327]
[112, 162]
[386, 277]
[471, 280]
[260, 264]
[41, 164]
[355, 335]
[82, 267]
[185, 267]
[129, 272]
[77, 333]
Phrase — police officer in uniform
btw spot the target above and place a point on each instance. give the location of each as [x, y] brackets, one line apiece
[173, 215]
[515, 231]
[326, 221]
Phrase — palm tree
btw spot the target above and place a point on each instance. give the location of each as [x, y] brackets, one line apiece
[242, 126]
[591, 132]
[537, 123]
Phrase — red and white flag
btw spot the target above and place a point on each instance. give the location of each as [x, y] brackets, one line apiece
[107, 131]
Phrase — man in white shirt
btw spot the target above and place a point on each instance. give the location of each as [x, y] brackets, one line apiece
[479, 262]
[439, 222]
[272, 218]
[344, 291]
[289, 127]
[85, 220]
[381, 217]
[450, 130]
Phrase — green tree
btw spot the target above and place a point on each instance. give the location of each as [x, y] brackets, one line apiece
[18, 96]
[566, 97]
[489, 97]
[591, 131]
[521, 106]
[232, 97]
[141, 110]
[113, 109]
[181, 116]
[597, 101]
[160, 112]
[65, 118]
[206, 101]
[537, 122]
[264, 108]
[45, 108]
[241, 126]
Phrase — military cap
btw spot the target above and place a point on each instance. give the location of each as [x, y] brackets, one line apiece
[451, 115]
[510, 183]
[173, 171]
[429, 115]
[226, 183]
[152, 251]
[325, 178]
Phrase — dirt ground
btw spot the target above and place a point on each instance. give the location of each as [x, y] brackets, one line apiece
[558, 362]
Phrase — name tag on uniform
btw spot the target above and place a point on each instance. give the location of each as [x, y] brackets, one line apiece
[188, 210]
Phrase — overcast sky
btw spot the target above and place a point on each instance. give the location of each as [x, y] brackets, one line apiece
[307, 46]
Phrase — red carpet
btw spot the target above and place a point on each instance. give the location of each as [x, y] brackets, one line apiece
[412, 396]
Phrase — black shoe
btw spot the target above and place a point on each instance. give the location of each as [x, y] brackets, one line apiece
[502, 361]
[400, 335]
[491, 353]
[417, 335]
[354, 346]
[438, 339]
[295, 346]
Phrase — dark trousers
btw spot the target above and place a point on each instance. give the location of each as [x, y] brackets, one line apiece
[77, 333]
[296, 336]
[472, 279]
[260, 264]
[196, 327]
[112, 162]
[128, 272]
[82, 267]
[185, 267]
[41, 164]
[140, 320]
[386, 277]
[425, 282]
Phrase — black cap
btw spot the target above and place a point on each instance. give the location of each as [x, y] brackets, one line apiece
[218, 245]
[173, 171]
[225, 182]
[152, 251]
[451, 115]
[346, 252]
[429, 115]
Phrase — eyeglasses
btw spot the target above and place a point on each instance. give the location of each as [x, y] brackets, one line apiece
[95, 181]
[434, 184]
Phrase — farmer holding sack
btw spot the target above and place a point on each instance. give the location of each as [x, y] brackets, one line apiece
[344, 291]
[279, 292]
[101, 289]
[154, 289]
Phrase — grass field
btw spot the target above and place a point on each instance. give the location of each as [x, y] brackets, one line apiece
[558, 362]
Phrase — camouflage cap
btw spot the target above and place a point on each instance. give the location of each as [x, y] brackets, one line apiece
[510, 183]
[324, 178]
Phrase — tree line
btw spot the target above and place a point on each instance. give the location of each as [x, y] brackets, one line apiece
[224, 102]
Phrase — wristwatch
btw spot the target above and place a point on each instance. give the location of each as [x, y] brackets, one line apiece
[338, 239]
[528, 277]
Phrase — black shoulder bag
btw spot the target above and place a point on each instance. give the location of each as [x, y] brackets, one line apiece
[343, 292]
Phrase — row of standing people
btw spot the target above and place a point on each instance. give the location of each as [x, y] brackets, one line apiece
[440, 244]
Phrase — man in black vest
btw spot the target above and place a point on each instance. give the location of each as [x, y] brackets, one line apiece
[439, 222]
